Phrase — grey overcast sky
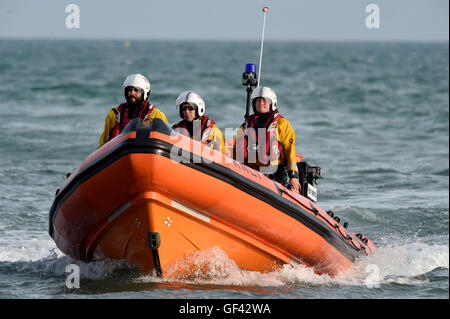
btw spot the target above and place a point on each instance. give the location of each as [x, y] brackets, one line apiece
[298, 20]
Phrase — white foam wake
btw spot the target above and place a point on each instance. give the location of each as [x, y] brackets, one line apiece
[401, 264]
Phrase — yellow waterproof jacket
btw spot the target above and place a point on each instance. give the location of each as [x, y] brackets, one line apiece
[286, 136]
[216, 140]
[111, 118]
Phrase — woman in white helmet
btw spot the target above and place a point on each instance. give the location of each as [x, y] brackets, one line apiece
[136, 89]
[266, 140]
[195, 123]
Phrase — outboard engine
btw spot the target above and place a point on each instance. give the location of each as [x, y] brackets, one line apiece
[308, 176]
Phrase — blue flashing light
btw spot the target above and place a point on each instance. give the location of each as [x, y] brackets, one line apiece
[250, 67]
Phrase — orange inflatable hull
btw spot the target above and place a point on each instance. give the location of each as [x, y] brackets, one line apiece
[155, 198]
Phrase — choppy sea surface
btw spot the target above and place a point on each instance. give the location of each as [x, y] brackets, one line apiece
[374, 116]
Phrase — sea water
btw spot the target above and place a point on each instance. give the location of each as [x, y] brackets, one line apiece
[373, 116]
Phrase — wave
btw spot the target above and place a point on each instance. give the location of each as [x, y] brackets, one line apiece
[403, 265]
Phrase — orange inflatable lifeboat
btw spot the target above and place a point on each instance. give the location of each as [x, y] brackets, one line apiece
[155, 197]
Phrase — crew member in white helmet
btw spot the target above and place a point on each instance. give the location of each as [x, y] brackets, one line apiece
[195, 123]
[136, 90]
[266, 140]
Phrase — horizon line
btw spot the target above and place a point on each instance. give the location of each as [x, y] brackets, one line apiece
[123, 39]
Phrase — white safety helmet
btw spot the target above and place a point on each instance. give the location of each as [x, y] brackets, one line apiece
[140, 82]
[191, 98]
[267, 93]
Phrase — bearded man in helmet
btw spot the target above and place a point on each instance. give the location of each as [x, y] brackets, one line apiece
[266, 140]
[136, 90]
[195, 123]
